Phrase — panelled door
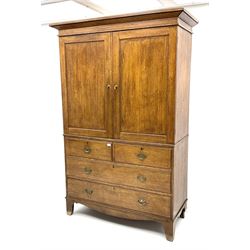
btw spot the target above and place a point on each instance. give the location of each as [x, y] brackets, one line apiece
[86, 72]
[143, 75]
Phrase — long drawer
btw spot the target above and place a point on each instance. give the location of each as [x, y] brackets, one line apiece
[89, 149]
[143, 155]
[120, 197]
[131, 175]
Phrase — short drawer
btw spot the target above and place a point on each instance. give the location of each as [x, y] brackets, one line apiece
[130, 175]
[89, 149]
[143, 155]
[121, 197]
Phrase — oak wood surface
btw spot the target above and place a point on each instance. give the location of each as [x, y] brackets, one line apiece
[154, 156]
[183, 65]
[114, 140]
[181, 13]
[118, 211]
[83, 81]
[165, 22]
[69, 206]
[89, 149]
[125, 88]
[130, 175]
[179, 177]
[121, 197]
[169, 225]
[142, 77]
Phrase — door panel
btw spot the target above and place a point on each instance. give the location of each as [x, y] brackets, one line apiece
[141, 71]
[87, 62]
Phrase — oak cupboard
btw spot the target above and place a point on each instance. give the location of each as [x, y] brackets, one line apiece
[125, 89]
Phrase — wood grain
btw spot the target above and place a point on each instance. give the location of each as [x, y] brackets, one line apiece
[69, 206]
[180, 175]
[125, 88]
[129, 175]
[143, 79]
[89, 149]
[121, 197]
[183, 65]
[180, 13]
[155, 156]
[119, 211]
[164, 22]
[85, 84]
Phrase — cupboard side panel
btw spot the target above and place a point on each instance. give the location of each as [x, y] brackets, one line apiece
[184, 44]
[179, 185]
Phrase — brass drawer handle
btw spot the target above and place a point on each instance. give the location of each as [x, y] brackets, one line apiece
[87, 170]
[141, 156]
[87, 150]
[141, 178]
[88, 191]
[142, 201]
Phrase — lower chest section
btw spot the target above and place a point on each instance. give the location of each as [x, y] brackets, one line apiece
[127, 176]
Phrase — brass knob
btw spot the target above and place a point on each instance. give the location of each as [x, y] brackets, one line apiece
[115, 87]
[87, 170]
[87, 150]
[142, 201]
[88, 191]
[141, 178]
[141, 156]
[108, 86]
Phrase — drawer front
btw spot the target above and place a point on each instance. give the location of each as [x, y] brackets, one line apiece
[143, 155]
[89, 149]
[131, 175]
[121, 197]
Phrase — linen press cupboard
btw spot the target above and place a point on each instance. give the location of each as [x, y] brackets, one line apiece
[125, 89]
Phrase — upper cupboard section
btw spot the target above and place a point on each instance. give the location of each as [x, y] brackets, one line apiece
[120, 84]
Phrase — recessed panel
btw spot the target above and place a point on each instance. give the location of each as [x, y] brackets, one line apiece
[143, 77]
[85, 66]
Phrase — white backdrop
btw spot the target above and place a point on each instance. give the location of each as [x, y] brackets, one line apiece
[32, 190]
